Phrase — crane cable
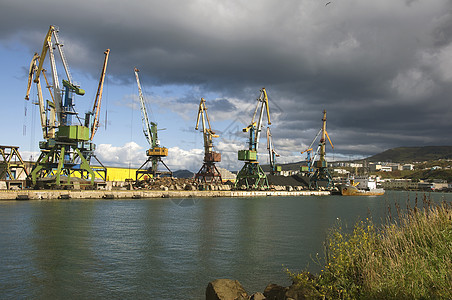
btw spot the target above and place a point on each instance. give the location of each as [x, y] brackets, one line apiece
[131, 133]
[147, 103]
[106, 101]
[33, 120]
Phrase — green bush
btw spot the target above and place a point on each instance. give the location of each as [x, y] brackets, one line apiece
[408, 259]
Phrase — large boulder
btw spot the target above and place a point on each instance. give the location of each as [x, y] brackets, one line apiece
[275, 292]
[257, 296]
[225, 289]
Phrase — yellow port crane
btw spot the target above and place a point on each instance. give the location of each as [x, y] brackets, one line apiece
[208, 172]
[322, 176]
[98, 99]
[156, 152]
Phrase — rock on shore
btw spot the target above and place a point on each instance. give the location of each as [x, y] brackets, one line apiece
[221, 289]
[228, 289]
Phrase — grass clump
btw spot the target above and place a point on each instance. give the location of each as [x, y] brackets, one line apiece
[407, 259]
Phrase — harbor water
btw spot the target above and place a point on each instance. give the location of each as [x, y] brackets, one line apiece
[170, 248]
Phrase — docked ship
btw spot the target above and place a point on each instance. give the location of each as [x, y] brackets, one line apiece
[361, 186]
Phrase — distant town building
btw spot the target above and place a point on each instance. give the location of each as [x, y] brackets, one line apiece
[426, 186]
[399, 184]
[440, 186]
[374, 167]
[395, 167]
[408, 184]
[356, 165]
[346, 164]
[408, 167]
[341, 171]
[386, 169]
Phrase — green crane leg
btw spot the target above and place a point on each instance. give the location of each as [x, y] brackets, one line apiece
[252, 176]
[34, 173]
[60, 165]
[85, 165]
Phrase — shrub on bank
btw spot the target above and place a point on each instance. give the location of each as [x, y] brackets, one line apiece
[407, 259]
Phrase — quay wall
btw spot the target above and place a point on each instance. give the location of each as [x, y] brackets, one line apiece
[141, 194]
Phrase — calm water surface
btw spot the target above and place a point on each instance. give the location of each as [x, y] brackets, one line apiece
[168, 248]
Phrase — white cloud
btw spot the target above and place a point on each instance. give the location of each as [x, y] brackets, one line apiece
[349, 57]
[180, 159]
[29, 155]
[413, 84]
[440, 60]
[131, 154]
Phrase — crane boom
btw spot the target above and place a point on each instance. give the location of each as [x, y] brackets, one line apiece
[63, 57]
[48, 46]
[202, 108]
[31, 72]
[47, 129]
[263, 103]
[98, 100]
[272, 153]
[203, 111]
[328, 136]
[48, 85]
[144, 115]
[208, 133]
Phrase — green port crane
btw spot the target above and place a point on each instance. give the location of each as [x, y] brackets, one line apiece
[156, 152]
[251, 176]
[208, 172]
[67, 148]
[321, 173]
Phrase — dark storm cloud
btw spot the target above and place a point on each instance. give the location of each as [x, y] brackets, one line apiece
[381, 69]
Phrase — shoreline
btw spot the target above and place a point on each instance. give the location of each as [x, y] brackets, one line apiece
[142, 194]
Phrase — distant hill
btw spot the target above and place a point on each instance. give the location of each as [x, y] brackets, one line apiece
[413, 154]
[183, 174]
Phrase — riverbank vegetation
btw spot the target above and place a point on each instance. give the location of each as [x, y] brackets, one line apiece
[408, 257]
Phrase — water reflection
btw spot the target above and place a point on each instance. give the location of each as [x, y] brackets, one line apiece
[59, 240]
[165, 248]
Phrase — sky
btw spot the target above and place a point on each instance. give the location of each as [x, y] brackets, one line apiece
[381, 69]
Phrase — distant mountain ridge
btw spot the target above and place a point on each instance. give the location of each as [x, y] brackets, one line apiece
[399, 154]
[183, 174]
[412, 154]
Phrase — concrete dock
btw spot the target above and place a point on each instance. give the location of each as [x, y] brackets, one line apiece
[142, 194]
